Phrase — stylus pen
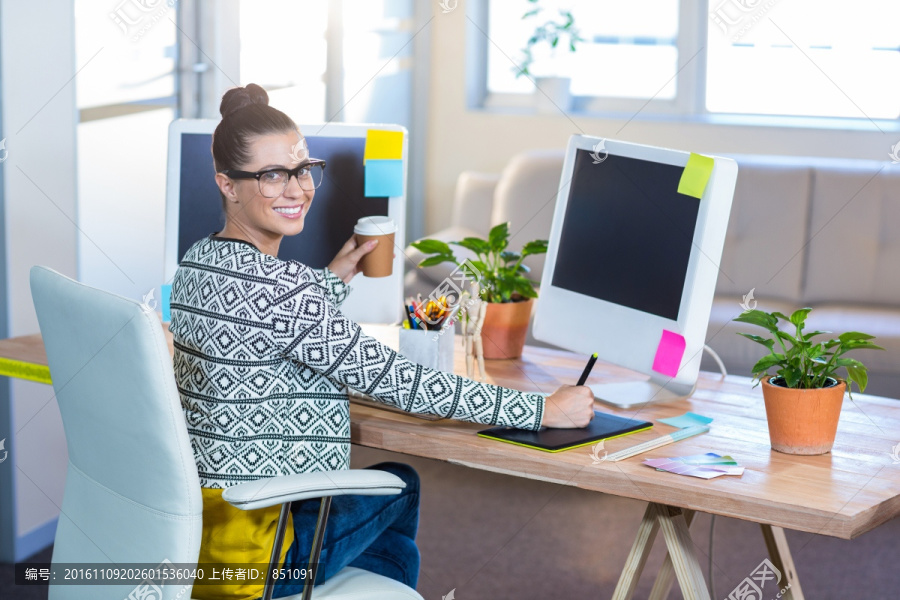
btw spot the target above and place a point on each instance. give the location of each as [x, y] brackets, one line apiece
[587, 369]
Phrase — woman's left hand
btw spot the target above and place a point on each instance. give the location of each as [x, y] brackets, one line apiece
[346, 264]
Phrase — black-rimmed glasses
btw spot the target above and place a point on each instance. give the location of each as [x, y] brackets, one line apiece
[272, 182]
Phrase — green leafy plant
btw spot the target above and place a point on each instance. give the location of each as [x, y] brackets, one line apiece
[802, 362]
[502, 274]
[551, 32]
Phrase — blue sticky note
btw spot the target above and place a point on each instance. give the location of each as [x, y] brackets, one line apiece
[688, 419]
[384, 177]
[165, 292]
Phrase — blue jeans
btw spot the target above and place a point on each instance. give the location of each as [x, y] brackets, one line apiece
[375, 533]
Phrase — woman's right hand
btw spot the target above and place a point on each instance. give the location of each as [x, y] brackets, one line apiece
[569, 407]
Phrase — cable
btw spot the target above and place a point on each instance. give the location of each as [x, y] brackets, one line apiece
[718, 360]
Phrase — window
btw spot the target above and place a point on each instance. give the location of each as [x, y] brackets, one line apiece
[284, 49]
[805, 57]
[125, 55]
[813, 58]
[619, 40]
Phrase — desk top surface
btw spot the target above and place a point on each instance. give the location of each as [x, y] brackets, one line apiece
[845, 493]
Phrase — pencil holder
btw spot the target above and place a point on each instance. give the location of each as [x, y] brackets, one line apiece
[432, 349]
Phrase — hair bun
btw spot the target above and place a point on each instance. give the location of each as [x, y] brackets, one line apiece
[241, 97]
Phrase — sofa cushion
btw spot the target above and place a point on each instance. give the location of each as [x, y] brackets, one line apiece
[767, 230]
[738, 353]
[473, 201]
[854, 251]
[438, 273]
[883, 323]
[526, 196]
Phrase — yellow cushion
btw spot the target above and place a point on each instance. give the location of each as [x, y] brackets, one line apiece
[233, 538]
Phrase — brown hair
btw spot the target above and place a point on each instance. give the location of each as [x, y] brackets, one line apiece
[245, 114]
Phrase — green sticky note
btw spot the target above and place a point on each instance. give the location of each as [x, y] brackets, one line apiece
[695, 175]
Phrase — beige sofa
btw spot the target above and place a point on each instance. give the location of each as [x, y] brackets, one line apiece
[803, 232]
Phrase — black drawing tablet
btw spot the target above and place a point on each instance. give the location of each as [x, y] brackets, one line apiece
[602, 427]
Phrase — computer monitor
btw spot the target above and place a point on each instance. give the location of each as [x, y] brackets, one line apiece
[193, 208]
[632, 264]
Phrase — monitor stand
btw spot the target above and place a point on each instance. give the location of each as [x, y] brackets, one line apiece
[637, 393]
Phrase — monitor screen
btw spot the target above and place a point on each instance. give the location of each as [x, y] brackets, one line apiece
[627, 234]
[337, 206]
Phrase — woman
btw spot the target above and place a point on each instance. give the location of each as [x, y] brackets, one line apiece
[263, 357]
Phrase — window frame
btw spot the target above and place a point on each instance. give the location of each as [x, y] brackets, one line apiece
[688, 105]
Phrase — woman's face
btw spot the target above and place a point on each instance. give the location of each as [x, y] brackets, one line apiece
[271, 217]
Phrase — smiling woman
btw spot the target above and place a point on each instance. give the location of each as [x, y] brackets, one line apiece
[264, 356]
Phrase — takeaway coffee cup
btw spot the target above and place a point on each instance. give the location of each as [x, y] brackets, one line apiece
[380, 261]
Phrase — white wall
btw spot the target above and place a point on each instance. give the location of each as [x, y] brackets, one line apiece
[461, 139]
[122, 202]
[38, 122]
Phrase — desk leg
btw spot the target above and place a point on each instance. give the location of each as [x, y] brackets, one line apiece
[681, 549]
[682, 559]
[780, 553]
[666, 574]
[643, 543]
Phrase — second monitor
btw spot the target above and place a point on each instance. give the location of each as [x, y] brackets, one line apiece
[632, 263]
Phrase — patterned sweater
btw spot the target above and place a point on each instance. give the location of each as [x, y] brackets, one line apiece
[263, 359]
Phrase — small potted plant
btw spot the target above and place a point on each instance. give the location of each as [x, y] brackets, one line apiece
[504, 286]
[803, 399]
[553, 91]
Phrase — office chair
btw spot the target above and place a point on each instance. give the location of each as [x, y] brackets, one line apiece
[132, 492]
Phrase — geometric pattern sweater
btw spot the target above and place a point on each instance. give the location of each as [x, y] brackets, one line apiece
[264, 357]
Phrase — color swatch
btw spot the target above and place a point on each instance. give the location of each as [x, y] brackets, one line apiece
[704, 466]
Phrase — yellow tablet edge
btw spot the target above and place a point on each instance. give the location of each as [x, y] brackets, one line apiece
[490, 437]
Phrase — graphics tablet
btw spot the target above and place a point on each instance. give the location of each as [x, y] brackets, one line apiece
[603, 426]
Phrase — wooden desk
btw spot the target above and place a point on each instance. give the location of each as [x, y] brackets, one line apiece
[843, 494]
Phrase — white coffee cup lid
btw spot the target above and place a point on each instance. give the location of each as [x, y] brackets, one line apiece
[375, 226]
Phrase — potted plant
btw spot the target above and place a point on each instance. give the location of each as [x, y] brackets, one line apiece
[553, 89]
[803, 399]
[504, 286]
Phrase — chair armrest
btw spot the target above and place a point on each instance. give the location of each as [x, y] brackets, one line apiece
[263, 493]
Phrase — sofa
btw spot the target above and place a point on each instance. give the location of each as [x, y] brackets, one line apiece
[812, 232]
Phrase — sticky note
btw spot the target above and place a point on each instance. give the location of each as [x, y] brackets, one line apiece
[669, 353]
[165, 293]
[695, 175]
[383, 178]
[688, 419]
[383, 144]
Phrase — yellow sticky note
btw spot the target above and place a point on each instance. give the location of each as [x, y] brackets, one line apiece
[695, 175]
[383, 144]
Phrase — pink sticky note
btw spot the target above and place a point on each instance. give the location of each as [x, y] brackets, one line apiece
[669, 353]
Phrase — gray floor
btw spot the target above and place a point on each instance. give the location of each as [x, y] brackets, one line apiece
[491, 537]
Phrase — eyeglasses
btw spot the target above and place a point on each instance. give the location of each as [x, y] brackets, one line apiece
[273, 182]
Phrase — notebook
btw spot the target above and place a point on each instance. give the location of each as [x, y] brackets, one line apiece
[603, 426]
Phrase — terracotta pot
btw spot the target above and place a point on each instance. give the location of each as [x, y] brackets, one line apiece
[803, 421]
[505, 326]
